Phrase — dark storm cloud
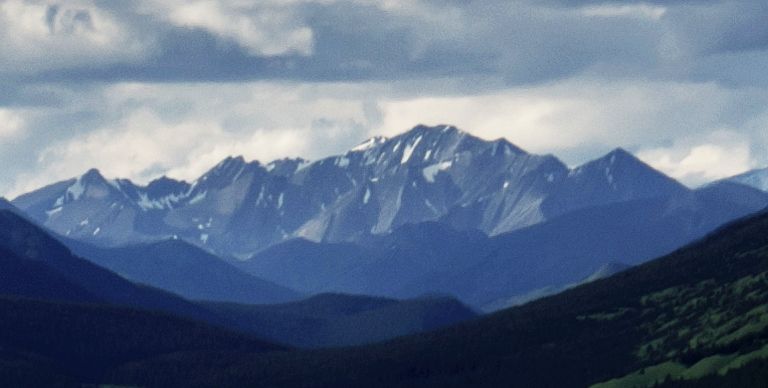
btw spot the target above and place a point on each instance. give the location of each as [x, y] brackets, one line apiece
[514, 42]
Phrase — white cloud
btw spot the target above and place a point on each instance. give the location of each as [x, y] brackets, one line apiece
[185, 129]
[11, 124]
[145, 130]
[144, 143]
[625, 10]
[720, 155]
[262, 27]
[580, 114]
[40, 35]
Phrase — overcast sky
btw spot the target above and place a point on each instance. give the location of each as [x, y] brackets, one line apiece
[150, 87]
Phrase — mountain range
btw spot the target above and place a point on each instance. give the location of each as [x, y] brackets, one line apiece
[694, 318]
[486, 271]
[433, 210]
[221, 281]
[426, 174]
[36, 266]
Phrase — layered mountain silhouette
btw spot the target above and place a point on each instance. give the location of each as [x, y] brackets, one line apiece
[694, 318]
[37, 265]
[397, 222]
[186, 270]
[336, 320]
[431, 210]
[51, 300]
[426, 174]
[486, 271]
[66, 344]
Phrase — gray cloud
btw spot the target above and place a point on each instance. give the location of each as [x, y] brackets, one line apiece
[683, 70]
[514, 42]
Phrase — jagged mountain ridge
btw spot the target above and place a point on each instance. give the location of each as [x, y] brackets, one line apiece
[485, 271]
[426, 174]
[696, 312]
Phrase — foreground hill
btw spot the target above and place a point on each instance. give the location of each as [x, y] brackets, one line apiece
[186, 270]
[333, 320]
[65, 321]
[64, 344]
[37, 265]
[697, 311]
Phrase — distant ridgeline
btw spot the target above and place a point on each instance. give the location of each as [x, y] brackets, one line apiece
[65, 321]
[433, 210]
[695, 318]
[426, 174]
[223, 281]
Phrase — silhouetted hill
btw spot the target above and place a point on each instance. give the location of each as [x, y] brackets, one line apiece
[38, 265]
[333, 320]
[186, 270]
[697, 311]
[52, 343]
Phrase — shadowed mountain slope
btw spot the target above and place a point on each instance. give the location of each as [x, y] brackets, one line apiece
[186, 270]
[672, 316]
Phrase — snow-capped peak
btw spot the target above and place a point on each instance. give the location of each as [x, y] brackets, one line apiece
[369, 144]
[285, 166]
[81, 184]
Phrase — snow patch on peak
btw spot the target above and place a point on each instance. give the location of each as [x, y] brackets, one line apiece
[116, 184]
[609, 175]
[197, 198]
[239, 172]
[76, 190]
[166, 202]
[342, 161]
[237, 160]
[369, 144]
[396, 147]
[303, 164]
[430, 172]
[408, 151]
[54, 211]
